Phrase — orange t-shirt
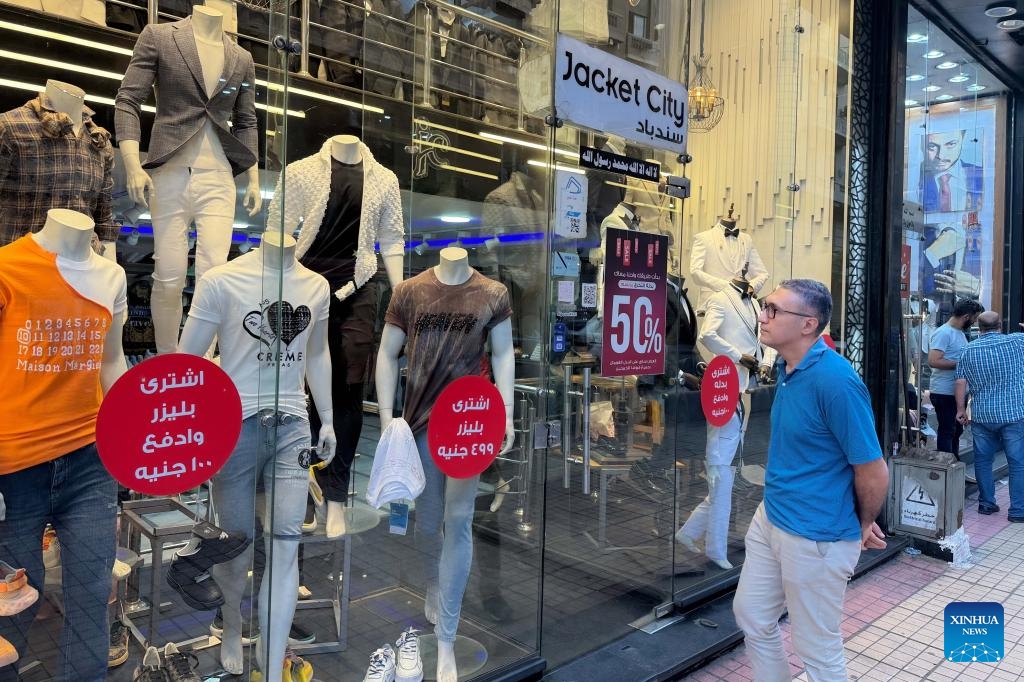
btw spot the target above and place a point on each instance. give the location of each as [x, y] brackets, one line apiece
[54, 317]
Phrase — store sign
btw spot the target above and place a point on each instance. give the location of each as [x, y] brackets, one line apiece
[600, 159]
[719, 390]
[636, 265]
[466, 427]
[614, 96]
[570, 205]
[905, 271]
[168, 424]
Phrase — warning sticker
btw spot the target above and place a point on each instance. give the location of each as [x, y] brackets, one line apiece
[917, 508]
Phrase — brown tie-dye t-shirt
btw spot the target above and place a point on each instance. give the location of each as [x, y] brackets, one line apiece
[446, 326]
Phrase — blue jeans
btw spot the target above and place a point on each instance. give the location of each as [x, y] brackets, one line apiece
[444, 536]
[988, 440]
[75, 494]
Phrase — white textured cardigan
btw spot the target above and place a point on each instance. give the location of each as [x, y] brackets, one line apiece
[380, 220]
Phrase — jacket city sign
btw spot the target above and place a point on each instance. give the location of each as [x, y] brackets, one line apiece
[609, 94]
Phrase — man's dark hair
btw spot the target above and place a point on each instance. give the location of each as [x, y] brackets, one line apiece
[815, 296]
[967, 306]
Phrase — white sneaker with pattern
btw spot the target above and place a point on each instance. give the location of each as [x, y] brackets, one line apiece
[382, 665]
[409, 666]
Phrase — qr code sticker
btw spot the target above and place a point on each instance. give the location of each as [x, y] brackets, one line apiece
[589, 296]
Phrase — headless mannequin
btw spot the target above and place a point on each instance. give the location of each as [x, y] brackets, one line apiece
[453, 269]
[208, 30]
[281, 579]
[345, 149]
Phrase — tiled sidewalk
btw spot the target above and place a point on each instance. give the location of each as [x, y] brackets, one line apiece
[892, 622]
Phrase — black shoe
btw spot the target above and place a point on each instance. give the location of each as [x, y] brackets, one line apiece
[180, 667]
[299, 635]
[497, 608]
[988, 510]
[215, 546]
[1015, 519]
[250, 630]
[196, 588]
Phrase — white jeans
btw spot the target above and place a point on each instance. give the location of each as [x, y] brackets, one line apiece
[182, 196]
[710, 518]
[782, 570]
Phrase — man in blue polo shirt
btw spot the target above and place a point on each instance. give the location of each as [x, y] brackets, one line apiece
[990, 370]
[824, 487]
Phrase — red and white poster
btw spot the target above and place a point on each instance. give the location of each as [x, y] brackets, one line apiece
[719, 390]
[168, 424]
[466, 427]
[635, 269]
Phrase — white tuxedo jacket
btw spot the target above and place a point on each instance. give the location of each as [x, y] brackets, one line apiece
[729, 328]
[715, 259]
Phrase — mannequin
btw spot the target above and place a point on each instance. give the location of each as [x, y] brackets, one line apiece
[193, 154]
[440, 317]
[54, 156]
[718, 256]
[346, 201]
[228, 304]
[729, 328]
[50, 471]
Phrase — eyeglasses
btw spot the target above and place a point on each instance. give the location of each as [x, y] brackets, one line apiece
[770, 310]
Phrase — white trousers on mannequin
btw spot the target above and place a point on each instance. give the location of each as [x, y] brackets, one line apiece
[710, 519]
[182, 196]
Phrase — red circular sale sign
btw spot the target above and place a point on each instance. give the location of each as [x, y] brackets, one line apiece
[719, 390]
[168, 424]
[466, 427]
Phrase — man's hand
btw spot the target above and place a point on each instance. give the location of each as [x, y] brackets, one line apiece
[961, 416]
[872, 537]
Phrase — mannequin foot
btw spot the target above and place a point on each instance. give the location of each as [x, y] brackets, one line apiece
[500, 488]
[431, 605]
[721, 563]
[446, 668]
[335, 519]
[685, 540]
[231, 642]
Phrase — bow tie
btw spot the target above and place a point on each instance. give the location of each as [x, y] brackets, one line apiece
[731, 232]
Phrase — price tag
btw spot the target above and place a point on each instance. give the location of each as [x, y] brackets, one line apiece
[168, 424]
[466, 427]
[719, 390]
[636, 266]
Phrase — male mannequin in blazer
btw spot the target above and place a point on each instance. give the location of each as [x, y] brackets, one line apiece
[729, 328]
[721, 253]
[203, 79]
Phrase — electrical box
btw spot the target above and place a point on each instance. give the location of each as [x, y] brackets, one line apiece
[928, 498]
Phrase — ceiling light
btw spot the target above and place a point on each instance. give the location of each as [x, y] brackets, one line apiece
[914, 77]
[974, 88]
[909, 102]
[943, 98]
[998, 10]
[947, 65]
[931, 88]
[917, 38]
[960, 78]
[456, 219]
[933, 54]
[1010, 24]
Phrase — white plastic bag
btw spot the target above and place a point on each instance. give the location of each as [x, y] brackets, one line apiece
[397, 473]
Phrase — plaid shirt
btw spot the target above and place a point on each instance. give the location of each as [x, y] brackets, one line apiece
[993, 366]
[44, 165]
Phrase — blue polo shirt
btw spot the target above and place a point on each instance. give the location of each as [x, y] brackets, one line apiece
[821, 425]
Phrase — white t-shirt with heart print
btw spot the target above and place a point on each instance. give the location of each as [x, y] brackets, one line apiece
[258, 331]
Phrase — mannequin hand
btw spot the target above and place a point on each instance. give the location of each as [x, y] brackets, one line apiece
[253, 200]
[959, 282]
[748, 361]
[327, 445]
[510, 437]
[385, 419]
[139, 185]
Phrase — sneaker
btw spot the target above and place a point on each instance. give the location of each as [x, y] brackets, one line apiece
[299, 635]
[408, 666]
[382, 665]
[51, 549]
[180, 667]
[121, 570]
[117, 654]
[250, 630]
[8, 654]
[150, 670]
[309, 522]
[16, 594]
[297, 669]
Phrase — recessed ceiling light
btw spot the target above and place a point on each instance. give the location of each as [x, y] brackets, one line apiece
[917, 38]
[933, 54]
[947, 65]
[915, 77]
[1010, 24]
[909, 102]
[931, 88]
[457, 219]
[974, 88]
[960, 78]
[998, 10]
[943, 98]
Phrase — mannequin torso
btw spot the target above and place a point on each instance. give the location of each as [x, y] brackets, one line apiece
[453, 269]
[278, 251]
[68, 99]
[67, 234]
[345, 148]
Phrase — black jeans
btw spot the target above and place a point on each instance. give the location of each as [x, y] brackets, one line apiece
[950, 429]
